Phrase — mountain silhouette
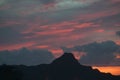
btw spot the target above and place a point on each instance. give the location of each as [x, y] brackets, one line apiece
[65, 60]
[65, 67]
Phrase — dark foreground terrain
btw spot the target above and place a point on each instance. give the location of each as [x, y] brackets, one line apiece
[64, 68]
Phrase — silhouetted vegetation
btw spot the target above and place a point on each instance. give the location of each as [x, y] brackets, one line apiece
[10, 73]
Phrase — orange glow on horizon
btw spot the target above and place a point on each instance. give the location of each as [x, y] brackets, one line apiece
[115, 70]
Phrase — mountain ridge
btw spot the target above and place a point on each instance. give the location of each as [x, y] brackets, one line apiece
[65, 67]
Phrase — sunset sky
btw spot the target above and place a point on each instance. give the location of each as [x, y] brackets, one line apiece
[88, 28]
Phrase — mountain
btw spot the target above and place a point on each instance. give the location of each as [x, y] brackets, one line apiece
[65, 67]
[65, 60]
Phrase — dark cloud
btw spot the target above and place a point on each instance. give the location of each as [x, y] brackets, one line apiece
[25, 57]
[9, 35]
[98, 53]
[118, 33]
[47, 1]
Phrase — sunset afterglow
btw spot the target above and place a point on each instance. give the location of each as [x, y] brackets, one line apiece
[115, 70]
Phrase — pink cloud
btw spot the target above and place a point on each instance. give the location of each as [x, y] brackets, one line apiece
[56, 52]
[100, 30]
[52, 32]
[16, 46]
[118, 42]
[86, 25]
[63, 33]
[78, 55]
[118, 56]
[43, 46]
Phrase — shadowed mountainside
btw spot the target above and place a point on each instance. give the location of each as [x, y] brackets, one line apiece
[65, 67]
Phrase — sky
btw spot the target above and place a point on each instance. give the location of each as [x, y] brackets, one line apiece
[61, 25]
